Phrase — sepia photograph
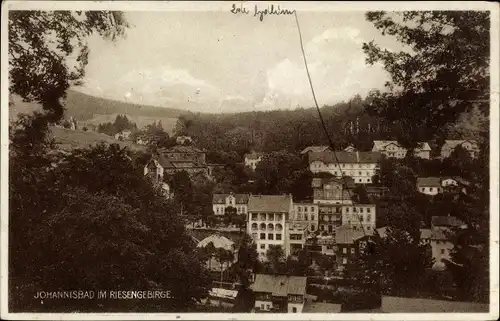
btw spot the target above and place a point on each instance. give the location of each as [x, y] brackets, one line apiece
[249, 160]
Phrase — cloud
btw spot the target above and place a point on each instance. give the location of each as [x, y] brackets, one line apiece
[157, 86]
[335, 75]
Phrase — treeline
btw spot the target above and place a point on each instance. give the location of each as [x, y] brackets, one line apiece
[121, 123]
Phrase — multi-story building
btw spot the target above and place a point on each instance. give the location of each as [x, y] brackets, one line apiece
[252, 159]
[392, 149]
[220, 202]
[360, 166]
[306, 213]
[177, 159]
[359, 217]
[279, 293]
[469, 145]
[268, 219]
[297, 236]
[348, 244]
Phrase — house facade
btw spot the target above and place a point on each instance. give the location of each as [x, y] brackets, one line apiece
[252, 159]
[306, 213]
[348, 244]
[469, 145]
[124, 134]
[360, 166]
[279, 293]
[392, 149]
[359, 217]
[218, 242]
[429, 185]
[177, 159]
[297, 236]
[268, 219]
[220, 202]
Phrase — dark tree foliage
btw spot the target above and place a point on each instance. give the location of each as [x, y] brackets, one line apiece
[41, 71]
[444, 73]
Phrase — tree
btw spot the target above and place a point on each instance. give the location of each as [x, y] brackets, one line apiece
[273, 172]
[440, 77]
[275, 258]
[47, 83]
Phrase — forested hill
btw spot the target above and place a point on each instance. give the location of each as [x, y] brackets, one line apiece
[292, 130]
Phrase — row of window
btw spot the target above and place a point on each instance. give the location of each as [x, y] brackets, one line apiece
[269, 227]
[239, 210]
[312, 208]
[268, 217]
[305, 217]
[333, 165]
[429, 189]
[323, 227]
[270, 237]
[357, 217]
[361, 209]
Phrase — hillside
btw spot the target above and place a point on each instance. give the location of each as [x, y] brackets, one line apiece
[68, 139]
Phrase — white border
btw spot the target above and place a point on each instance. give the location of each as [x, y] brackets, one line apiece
[225, 6]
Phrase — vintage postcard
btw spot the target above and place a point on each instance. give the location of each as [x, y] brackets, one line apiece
[249, 160]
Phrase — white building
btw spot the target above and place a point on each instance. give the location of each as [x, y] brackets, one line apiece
[220, 202]
[361, 166]
[279, 293]
[359, 216]
[181, 140]
[429, 185]
[124, 134]
[297, 235]
[252, 159]
[306, 213]
[469, 145]
[392, 149]
[268, 218]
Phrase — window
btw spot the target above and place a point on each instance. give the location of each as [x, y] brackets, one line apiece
[431, 189]
[359, 173]
[262, 246]
[270, 236]
[368, 218]
[368, 228]
[254, 217]
[254, 226]
[313, 227]
[368, 210]
[361, 210]
[344, 261]
[312, 217]
[278, 237]
[305, 208]
[262, 306]
[352, 250]
[344, 250]
[294, 310]
[347, 209]
[312, 209]
[262, 236]
[300, 208]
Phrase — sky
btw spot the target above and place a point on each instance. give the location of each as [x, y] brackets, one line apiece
[215, 61]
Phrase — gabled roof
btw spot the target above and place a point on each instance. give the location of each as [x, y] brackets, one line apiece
[345, 157]
[457, 179]
[221, 198]
[423, 146]
[181, 149]
[270, 203]
[382, 144]
[315, 149]
[319, 182]
[347, 235]
[253, 155]
[429, 181]
[446, 221]
[279, 285]
[452, 143]
[218, 241]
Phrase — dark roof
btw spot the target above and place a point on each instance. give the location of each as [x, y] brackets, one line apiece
[347, 235]
[448, 221]
[270, 203]
[279, 285]
[315, 149]
[328, 157]
[319, 182]
[221, 198]
[181, 149]
[429, 181]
